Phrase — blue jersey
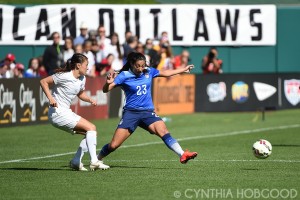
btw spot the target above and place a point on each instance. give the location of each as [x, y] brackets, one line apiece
[137, 89]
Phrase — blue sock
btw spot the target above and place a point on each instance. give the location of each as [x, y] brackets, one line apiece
[172, 144]
[105, 151]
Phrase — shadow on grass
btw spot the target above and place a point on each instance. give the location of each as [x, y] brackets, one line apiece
[141, 167]
[250, 169]
[33, 169]
[286, 145]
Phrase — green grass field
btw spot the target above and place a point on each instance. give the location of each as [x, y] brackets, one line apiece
[34, 161]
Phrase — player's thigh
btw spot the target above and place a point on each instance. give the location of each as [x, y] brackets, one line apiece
[84, 125]
[119, 137]
[159, 128]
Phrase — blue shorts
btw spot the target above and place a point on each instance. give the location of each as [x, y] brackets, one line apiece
[131, 119]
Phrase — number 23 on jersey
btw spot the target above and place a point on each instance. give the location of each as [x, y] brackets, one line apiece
[141, 89]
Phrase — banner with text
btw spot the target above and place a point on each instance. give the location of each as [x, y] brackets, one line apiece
[174, 95]
[186, 24]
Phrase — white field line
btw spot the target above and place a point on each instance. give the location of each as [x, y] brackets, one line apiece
[160, 142]
[257, 160]
[202, 161]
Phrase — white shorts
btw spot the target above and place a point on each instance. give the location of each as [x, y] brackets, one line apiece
[62, 118]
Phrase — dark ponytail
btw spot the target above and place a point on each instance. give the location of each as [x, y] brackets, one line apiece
[71, 63]
[68, 64]
[131, 59]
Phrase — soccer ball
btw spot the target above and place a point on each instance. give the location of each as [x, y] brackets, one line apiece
[262, 149]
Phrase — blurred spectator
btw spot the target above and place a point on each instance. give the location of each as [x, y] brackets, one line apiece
[83, 34]
[130, 47]
[87, 47]
[78, 48]
[10, 62]
[92, 35]
[18, 70]
[42, 69]
[53, 55]
[128, 34]
[33, 68]
[163, 39]
[68, 48]
[114, 48]
[4, 72]
[181, 60]
[96, 51]
[210, 63]
[153, 54]
[105, 65]
[165, 57]
[103, 41]
[148, 46]
[140, 49]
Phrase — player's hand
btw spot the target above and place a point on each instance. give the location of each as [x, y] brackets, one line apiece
[110, 77]
[93, 102]
[189, 68]
[53, 103]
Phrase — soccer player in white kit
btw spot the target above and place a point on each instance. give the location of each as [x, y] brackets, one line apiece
[69, 82]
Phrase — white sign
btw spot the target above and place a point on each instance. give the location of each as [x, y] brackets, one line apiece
[216, 91]
[292, 91]
[263, 90]
[186, 24]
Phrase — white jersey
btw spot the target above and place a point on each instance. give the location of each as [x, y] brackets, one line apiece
[66, 87]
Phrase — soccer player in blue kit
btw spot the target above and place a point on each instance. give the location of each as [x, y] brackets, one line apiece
[135, 78]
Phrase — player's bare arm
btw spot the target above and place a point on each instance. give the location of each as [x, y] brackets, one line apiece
[84, 97]
[109, 85]
[168, 73]
[46, 83]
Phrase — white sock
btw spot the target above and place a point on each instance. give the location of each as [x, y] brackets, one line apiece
[172, 144]
[177, 149]
[91, 141]
[80, 152]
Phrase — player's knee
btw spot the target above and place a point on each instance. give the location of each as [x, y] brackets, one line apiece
[162, 131]
[92, 127]
[113, 146]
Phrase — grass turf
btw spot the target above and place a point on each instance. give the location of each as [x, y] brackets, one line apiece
[143, 168]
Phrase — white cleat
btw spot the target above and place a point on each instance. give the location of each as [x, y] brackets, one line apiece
[98, 165]
[76, 167]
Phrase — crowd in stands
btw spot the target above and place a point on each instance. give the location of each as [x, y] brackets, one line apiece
[104, 54]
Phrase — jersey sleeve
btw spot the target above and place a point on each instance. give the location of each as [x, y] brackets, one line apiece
[57, 78]
[154, 72]
[120, 78]
[82, 87]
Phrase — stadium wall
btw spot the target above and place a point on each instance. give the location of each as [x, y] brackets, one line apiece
[226, 93]
[22, 101]
[283, 57]
[247, 92]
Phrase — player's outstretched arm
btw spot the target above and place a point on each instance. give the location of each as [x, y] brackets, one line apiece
[109, 85]
[168, 73]
[45, 84]
[84, 97]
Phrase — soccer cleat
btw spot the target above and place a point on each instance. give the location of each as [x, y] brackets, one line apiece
[186, 156]
[98, 165]
[76, 167]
